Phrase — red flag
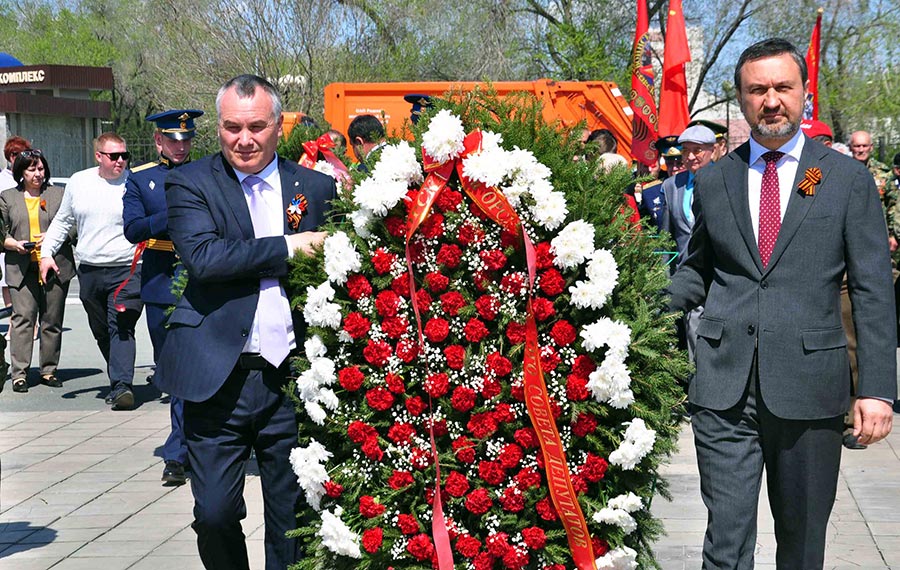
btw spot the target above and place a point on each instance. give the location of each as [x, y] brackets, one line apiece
[811, 107]
[673, 101]
[643, 92]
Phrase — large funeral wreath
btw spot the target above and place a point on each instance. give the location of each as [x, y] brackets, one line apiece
[483, 321]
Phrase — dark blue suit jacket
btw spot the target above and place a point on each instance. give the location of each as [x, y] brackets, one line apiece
[144, 214]
[211, 226]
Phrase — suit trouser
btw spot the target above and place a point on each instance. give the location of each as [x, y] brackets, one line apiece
[113, 330]
[29, 300]
[801, 459]
[249, 412]
[175, 448]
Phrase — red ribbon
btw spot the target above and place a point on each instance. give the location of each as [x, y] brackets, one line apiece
[494, 204]
[138, 251]
[323, 146]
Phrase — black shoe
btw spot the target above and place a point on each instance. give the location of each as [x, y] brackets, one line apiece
[173, 473]
[150, 379]
[121, 397]
[850, 442]
[4, 372]
[20, 385]
[51, 380]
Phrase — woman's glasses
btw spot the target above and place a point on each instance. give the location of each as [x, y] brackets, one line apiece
[114, 156]
[31, 153]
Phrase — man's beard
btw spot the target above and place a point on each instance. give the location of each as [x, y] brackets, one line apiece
[781, 131]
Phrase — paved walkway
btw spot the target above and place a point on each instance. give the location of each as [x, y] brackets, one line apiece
[81, 488]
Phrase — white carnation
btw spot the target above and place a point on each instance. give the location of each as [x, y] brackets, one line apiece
[603, 269]
[525, 169]
[573, 245]
[314, 347]
[341, 257]
[315, 412]
[487, 166]
[490, 140]
[585, 294]
[319, 311]
[638, 442]
[549, 210]
[361, 219]
[628, 502]
[337, 536]
[398, 163]
[618, 517]
[611, 383]
[308, 465]
[325, 167]
[379, 196]
[444, 138]
[606, 332]
[622, 558]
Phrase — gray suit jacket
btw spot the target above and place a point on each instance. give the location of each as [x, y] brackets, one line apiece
[673, 219]
[790, 312]
[16, 224]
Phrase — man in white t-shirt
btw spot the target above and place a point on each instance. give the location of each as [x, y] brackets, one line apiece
[111, 295]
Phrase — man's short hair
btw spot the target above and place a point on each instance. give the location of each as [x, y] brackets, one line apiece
[897, 160]
[366, 127]
[13, 146]
[770, 48]
[105, 138]
[245, 86]
[606, 141]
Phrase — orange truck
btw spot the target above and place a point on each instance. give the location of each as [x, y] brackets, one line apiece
[599, 104]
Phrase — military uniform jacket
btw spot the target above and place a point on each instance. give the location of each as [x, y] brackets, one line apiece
[144, 215]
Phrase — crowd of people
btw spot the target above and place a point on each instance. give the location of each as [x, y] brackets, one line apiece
[782, 261]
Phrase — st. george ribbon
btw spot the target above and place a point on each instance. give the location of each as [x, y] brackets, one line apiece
[494, 204]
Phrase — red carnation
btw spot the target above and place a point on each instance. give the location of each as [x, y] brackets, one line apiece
[534, 537]
[415, 405]
[510, 455]
[514, 283]
[584, 424]
[517, 391]
[512, 500]
[576, 388]
[526, 437]
[488, 307]
[563, 333]
[400, 479]
[433, 226]
[401, 433]
[491, 472]
[478, 502]
[463, 399]
[437, 282]
[407, 350]
[371, 450]
[350, 378]
[358, 287]
[543, 308]
[475, 330]
[377, 352]
[400, 285]
[503, 413]
[456, 356]
[394, 383]
[481, 279]
[469, 234]
[579, 484]
[369, 507]
[394, 327]
[417, 250]
[549, 358]
[546, 510]
[438, 426]
[527, 478]
[498, 364]
[359, 432]
[464, 449]
[371, 539]
[383, 260]
[489, 388]
[594, 468]
[457, 484]
[510, 239]
[420, 458]
[407, 524]
[387, 303]
[436, 385]
[452, 302]
[543, 255]
[552, 282]
[599, 546]
[515, 332]
[396, 226]
[449, 255]
[493, 259]
[497, 544]
[468, 545]
[437, 329]
[482, 425]
[333, 489]
[420, 547]
[483, 561]
[557, 566]
[583, 366]
[379, 399]
[448, 199]
[476, 211]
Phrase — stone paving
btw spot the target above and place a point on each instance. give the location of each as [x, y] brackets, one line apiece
[80, 486]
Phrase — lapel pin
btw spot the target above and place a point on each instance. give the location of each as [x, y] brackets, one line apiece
[295, 211]
[811, 179]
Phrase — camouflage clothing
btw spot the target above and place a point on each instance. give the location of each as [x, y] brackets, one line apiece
[890, 198]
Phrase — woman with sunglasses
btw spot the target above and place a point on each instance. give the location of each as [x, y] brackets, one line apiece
[26, 212]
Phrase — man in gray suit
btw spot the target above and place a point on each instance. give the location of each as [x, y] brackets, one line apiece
[778, 222]
[697, 147]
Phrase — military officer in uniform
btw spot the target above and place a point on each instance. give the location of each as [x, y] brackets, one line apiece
[145, 220]
[721, 132]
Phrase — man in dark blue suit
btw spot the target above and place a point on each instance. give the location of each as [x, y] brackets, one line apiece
[231, 334]
[144, 216]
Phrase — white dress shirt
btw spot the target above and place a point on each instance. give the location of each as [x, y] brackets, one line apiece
[787, 171]
[276, 213]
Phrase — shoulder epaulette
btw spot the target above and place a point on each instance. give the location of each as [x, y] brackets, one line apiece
[144, 166]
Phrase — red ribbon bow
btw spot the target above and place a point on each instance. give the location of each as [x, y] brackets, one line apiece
[323, 146]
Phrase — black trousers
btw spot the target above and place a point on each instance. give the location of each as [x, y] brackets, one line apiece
[801, 460]
[249, 412]
[112, 329]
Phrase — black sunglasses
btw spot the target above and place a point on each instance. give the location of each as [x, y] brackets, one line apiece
[31, 153]
[114, 156]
